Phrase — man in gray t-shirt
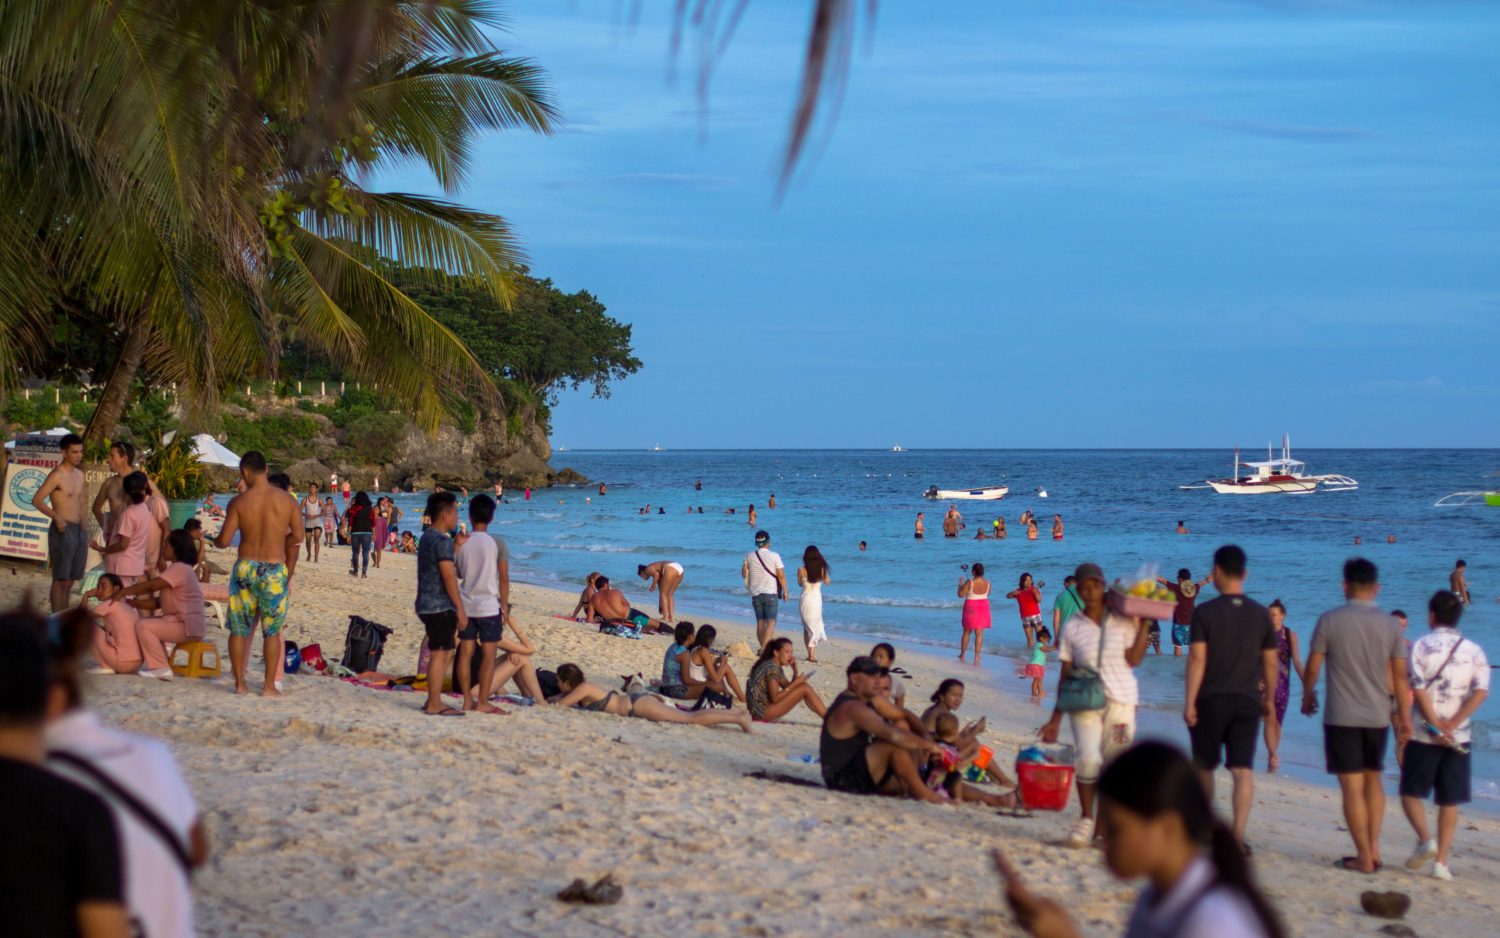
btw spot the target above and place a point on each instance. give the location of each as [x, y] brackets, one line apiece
[1366, 658]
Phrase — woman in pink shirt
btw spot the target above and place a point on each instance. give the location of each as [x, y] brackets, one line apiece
[180, 598]
[115, 644]
[125, 554]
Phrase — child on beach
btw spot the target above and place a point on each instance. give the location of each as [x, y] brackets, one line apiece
[1036, 668]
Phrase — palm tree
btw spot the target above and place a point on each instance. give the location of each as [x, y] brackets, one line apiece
[187, 173]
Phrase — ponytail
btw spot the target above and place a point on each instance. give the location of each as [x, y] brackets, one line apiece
[943, 688]
[1151, 779]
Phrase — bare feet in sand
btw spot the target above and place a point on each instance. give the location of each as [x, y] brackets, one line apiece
[745, 721]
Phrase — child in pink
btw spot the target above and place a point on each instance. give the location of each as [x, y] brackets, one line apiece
[115, 644]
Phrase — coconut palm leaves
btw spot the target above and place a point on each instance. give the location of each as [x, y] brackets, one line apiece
[186, 173]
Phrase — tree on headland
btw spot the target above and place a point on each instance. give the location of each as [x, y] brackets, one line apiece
[182, 177]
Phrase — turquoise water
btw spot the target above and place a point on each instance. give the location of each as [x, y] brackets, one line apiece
[1120, 508]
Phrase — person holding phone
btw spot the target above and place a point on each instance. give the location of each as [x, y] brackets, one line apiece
[1159, 824]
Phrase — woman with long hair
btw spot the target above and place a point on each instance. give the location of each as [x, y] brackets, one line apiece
[361, 518]
[380, 529]
[707, 671]
[1028, 597]
[769, 694]
[1288, 658]
[579, 694]
[1158, 823]
[811, 576]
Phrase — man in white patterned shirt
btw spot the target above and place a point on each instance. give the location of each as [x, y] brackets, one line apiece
[1450, 678]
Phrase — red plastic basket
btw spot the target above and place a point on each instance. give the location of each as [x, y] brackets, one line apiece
[1045, 787]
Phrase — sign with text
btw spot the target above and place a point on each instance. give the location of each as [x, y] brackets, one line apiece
[23, 529]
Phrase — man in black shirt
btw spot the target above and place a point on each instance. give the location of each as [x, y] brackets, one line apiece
[1231, 681]
[60, 869]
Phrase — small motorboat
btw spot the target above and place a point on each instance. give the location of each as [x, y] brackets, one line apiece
[898, 448]
[987, 493]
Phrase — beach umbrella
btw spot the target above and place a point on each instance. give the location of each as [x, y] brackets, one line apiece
[213, 453]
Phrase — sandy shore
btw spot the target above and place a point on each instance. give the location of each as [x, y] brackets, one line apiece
[342, 810]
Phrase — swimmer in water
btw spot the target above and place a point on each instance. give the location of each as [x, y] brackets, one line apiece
[1182, 528]
[1057, 527]
[920, 530]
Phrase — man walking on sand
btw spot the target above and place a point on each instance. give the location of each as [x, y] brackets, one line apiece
[270, 531]
[1450, 678]
[1366, 657]
[1231, 681]
[439, 604]
[765, 578]
[863, 754]
[61, 499]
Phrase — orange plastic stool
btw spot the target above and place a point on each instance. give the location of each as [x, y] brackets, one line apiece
[196, 659]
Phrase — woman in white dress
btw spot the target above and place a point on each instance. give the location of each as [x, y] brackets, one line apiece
[811, 576]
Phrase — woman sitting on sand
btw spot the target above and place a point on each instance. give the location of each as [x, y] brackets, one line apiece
[1159, 824]
[588, 593]
[115, 646]
[769, 695]
[579, 693]
[947, 700]
[705, 671]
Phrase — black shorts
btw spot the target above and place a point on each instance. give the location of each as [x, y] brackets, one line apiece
[1227, 723]
[854, 778]
[1350, 749]
[442, 629]
[485, 629]
[1426, 767]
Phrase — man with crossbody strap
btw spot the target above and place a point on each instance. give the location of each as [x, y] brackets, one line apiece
[1112, 652]
[765, 579]
[1450, 678]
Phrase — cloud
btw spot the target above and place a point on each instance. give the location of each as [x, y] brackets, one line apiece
[1275, 130]
[704, 181]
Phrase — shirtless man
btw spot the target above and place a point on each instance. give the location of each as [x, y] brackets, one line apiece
[1458, 582]
[862, 753]
[1057, 527]
[920, 530]
[952, 521]
[61, 499]
[1182, 528]
[312, 522]
[266, 518]
[121, 460]
[610, 606]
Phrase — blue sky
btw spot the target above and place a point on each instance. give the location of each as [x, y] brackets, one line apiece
[1031, 224]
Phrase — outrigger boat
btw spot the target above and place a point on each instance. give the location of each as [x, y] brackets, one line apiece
[988, 493]
[1458, 499]
[1283, 476]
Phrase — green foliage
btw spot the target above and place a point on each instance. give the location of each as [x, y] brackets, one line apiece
[175, 468]
[41, 412]
[547, 341]
[282, 437]
[80, 411]
[375, 437]
[465, 417]
[356, 403]
[149, 416]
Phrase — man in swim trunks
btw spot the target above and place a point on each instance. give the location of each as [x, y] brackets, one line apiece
[852, 758]
[612, 608]
[919, 532]
[270, 530]
[952, 521]
[61, 499]
[1458, 582]
[1186, 593]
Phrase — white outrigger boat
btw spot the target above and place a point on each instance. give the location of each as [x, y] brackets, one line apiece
[1459, 499]
[1283, 476]
[988, 493]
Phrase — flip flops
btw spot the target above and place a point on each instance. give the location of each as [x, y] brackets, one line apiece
[445, 712]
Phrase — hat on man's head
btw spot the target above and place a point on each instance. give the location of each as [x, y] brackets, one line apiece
[865, 665]
[762, 539]
[1089, 571]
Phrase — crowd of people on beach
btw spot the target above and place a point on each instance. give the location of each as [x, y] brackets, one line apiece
[1149, 805]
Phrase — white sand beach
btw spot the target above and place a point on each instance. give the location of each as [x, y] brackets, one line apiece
[342, 810]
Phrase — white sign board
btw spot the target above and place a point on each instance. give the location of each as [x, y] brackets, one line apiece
[23, 529]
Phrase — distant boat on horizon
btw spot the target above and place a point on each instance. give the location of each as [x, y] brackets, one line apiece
[898, 448]
[657, 449]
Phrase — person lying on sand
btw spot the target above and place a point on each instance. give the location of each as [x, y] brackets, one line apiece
[703, 670]
[769, 695]
[637, 701]
[861, 752]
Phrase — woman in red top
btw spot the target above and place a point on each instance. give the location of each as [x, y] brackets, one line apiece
[1029, 597]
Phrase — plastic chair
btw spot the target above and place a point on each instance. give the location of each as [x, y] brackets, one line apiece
[215, 595]
[195, 659]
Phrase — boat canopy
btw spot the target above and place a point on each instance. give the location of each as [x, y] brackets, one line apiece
[1284, 463]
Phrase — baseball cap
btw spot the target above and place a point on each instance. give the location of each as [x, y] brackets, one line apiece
[866, 665]
[762, 538]
[1089, 571]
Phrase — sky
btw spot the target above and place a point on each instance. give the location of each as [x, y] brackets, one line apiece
[1153, 224]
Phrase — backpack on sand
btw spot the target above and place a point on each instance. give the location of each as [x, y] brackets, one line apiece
[364, 644]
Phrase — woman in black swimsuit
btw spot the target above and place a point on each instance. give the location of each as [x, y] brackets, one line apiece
[579, 693]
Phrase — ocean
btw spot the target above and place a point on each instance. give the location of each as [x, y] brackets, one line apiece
[1120, 508]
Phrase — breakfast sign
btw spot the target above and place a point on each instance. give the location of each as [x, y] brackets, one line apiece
[23, 529]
